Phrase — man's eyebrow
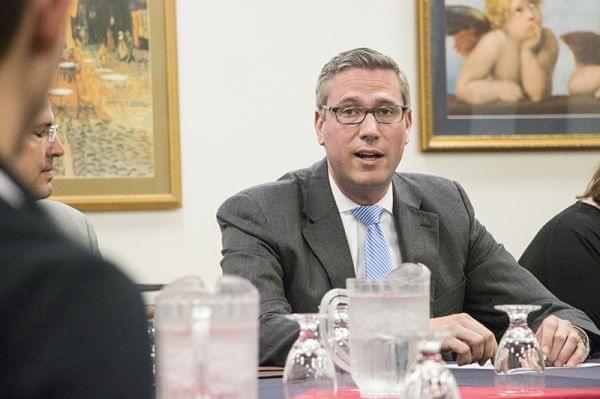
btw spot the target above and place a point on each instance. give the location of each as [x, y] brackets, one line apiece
[385, 101]
[356, 100]
[42, 125]
[350, 100]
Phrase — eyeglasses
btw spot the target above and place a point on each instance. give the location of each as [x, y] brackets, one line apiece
[386, 114]
[49, 131]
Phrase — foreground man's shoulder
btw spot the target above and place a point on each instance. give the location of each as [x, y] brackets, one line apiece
[426, 181]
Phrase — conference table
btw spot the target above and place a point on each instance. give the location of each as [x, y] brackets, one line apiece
[476, 382]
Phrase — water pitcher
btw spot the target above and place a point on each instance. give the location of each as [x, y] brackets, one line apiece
[371, 323]
[207, 341]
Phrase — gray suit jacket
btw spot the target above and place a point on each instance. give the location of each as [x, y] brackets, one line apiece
[72, 223]
[287, 238]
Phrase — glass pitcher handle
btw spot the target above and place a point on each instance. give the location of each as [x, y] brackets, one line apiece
[336, 333]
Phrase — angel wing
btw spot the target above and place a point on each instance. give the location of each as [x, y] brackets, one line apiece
[466, 25]
[584, 45]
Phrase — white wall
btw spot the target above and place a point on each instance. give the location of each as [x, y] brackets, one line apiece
[247, 71]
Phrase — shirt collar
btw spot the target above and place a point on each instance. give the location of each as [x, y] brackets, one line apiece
[10, 191]
[345, 204]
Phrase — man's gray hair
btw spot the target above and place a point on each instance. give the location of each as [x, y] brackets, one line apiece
[362, 58]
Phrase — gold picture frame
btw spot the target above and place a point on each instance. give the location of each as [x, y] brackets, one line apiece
[116, 103]
[443, 128]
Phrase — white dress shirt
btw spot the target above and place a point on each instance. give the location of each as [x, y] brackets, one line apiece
[356, 231]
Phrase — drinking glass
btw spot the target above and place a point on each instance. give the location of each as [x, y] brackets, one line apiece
[308, 366]
[430, 379]
[519, 362]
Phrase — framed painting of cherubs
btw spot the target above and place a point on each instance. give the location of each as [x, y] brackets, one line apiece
[115, 103]
[509, 74]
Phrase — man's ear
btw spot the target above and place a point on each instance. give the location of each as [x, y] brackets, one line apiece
[319, 126]
[409, 122]
[48, 20]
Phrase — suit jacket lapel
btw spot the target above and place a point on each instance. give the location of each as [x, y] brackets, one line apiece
[418, 230]
[324, 231]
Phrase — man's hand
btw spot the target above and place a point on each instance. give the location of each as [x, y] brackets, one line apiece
[560, 342]
[472, 342]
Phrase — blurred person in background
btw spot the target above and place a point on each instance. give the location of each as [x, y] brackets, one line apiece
[35, 168]
[565, 253]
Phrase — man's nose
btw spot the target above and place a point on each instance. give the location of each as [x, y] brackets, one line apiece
[56, 148]
[369, 128]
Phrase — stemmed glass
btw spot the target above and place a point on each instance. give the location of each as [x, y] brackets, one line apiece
[308, 366]
[430, 379]
[519, 362]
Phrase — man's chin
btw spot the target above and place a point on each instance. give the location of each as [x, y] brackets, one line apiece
[42, 192]
[373, 179]
[370, 183]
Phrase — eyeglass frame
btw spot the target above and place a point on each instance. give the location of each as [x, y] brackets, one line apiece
[50, 131]
[372, 111]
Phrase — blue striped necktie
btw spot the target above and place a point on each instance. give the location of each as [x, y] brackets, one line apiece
[378, 258]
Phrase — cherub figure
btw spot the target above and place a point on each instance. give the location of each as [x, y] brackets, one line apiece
[509, 55]
[586, 49]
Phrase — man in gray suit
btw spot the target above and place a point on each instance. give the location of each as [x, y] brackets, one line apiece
[297, 238]
[34, 165]
[72, 223]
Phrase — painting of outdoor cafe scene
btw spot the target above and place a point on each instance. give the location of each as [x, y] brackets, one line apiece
[102, 96]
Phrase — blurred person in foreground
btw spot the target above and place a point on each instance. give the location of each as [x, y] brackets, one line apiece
[35, 168]
[73, 325]
[301, 236]
[565, 253]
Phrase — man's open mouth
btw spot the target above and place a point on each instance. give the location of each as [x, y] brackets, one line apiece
[368, 155]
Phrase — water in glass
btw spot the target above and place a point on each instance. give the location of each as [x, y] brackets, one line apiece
[381, 325]
[370, 325]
